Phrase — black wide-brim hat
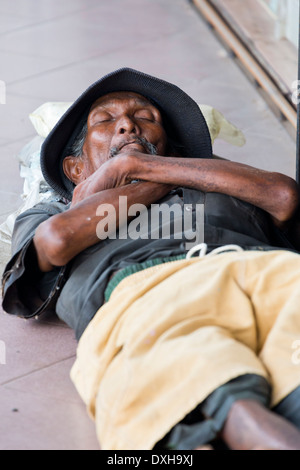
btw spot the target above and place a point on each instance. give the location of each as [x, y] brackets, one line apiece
[182, 118]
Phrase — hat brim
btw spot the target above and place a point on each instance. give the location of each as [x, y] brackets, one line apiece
[181, 112]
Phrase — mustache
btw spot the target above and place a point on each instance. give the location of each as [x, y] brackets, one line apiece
[150, 148]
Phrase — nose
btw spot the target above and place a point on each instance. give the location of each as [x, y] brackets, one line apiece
[127, 125]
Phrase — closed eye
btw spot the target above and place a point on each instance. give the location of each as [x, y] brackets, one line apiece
[102, 117]
[144, 114]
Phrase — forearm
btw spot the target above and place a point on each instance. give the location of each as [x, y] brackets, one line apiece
[63, 236]
[275, 193]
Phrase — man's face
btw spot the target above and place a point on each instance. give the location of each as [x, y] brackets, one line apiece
[121, 122]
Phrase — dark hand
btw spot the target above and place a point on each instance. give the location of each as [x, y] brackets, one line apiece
[112, 174]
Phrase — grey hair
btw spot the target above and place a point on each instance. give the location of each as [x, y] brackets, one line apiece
[76, 149]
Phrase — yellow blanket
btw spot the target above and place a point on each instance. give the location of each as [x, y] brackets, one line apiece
[173, 333]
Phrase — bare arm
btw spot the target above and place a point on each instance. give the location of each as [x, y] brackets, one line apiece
[273, 192]
[63, 236]
[59, 239]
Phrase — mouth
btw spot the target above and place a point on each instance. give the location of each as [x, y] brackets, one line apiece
[136, 142]
[139, 143]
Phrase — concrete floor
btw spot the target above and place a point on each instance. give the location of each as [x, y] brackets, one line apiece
[51, 50]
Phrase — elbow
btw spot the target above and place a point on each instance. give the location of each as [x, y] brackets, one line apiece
[288, 201]
[51, 244]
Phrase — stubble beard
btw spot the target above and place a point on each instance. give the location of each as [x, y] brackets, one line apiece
[151, 149]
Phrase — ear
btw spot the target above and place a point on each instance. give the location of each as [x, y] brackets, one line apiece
[74, 169]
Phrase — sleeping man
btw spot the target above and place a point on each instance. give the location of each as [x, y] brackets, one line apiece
[175, 350]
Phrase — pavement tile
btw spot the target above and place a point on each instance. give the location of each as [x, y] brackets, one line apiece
[32, 345]
[43, 10]
[14, 116]
[16, 66]
[40, 421]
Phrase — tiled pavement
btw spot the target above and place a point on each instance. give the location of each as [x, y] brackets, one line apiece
[51, 50]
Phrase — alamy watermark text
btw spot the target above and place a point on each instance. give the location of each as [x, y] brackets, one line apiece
[2, 353]
[160, 221]
[296, 353]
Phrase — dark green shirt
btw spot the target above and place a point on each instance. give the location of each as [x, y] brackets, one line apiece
[76, 291]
